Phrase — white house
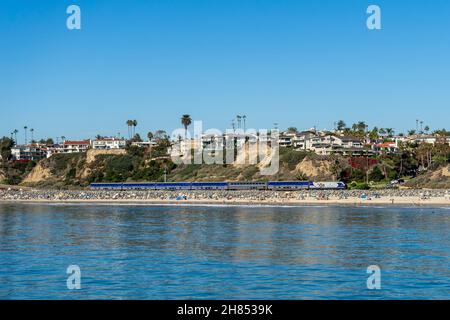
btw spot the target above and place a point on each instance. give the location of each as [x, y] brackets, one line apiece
[286, 139]
[108, 143]
[144, 144]
[76, 146]
[386, 147]
[29, 152]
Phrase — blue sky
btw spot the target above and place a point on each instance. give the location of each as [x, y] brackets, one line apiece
[297, 63]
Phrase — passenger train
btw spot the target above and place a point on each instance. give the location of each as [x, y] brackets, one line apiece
[271, 185]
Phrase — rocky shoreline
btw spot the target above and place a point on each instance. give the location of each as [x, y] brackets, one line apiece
[404, 197]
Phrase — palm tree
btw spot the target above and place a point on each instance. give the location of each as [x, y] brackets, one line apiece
[150, 138]
[63, 138]
[361, 126]
[427, 129]
[244, 118]
[341, 125]
[32, 135]
[129, 124]
[15, 135]
[186, 122]
[373, 135]
[135, 123]
[25, 128]
[390, 132]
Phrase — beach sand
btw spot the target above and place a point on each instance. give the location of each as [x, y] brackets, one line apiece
[222, 197]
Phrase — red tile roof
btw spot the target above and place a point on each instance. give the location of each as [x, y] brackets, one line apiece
[109, 139]
[76, 143]
[387, 145]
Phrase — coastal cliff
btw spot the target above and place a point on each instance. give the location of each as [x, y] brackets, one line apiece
[67, 171]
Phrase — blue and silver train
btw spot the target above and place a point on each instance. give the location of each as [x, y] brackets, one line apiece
[271, 185]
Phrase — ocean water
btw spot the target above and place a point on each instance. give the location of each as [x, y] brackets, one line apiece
[167, 252]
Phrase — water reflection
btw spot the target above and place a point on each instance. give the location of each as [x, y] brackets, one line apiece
[144, 252]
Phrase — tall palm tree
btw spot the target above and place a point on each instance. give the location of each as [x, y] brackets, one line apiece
[25, 128]
[135, 123]
[239, 121]
[63, 138]
[186, 122]
[244, 118]
[129, 124]
[15, 135]
[32, 135]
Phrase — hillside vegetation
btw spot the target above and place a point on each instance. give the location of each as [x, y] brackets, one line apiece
[80, 169]
[435, 179]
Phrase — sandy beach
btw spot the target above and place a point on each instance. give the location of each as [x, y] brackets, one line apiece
[267, 198]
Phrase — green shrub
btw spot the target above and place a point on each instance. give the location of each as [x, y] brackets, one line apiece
[358, 186]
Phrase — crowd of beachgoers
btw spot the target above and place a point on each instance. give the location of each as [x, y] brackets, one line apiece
[216, 196]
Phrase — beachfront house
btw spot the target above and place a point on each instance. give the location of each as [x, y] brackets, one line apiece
[326, 143]
[75, 146]
[30, 152]
[386, 147]
[286, 139]
[108, 143]
[144, 144]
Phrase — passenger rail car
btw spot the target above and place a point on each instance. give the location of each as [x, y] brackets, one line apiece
[271, 185]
